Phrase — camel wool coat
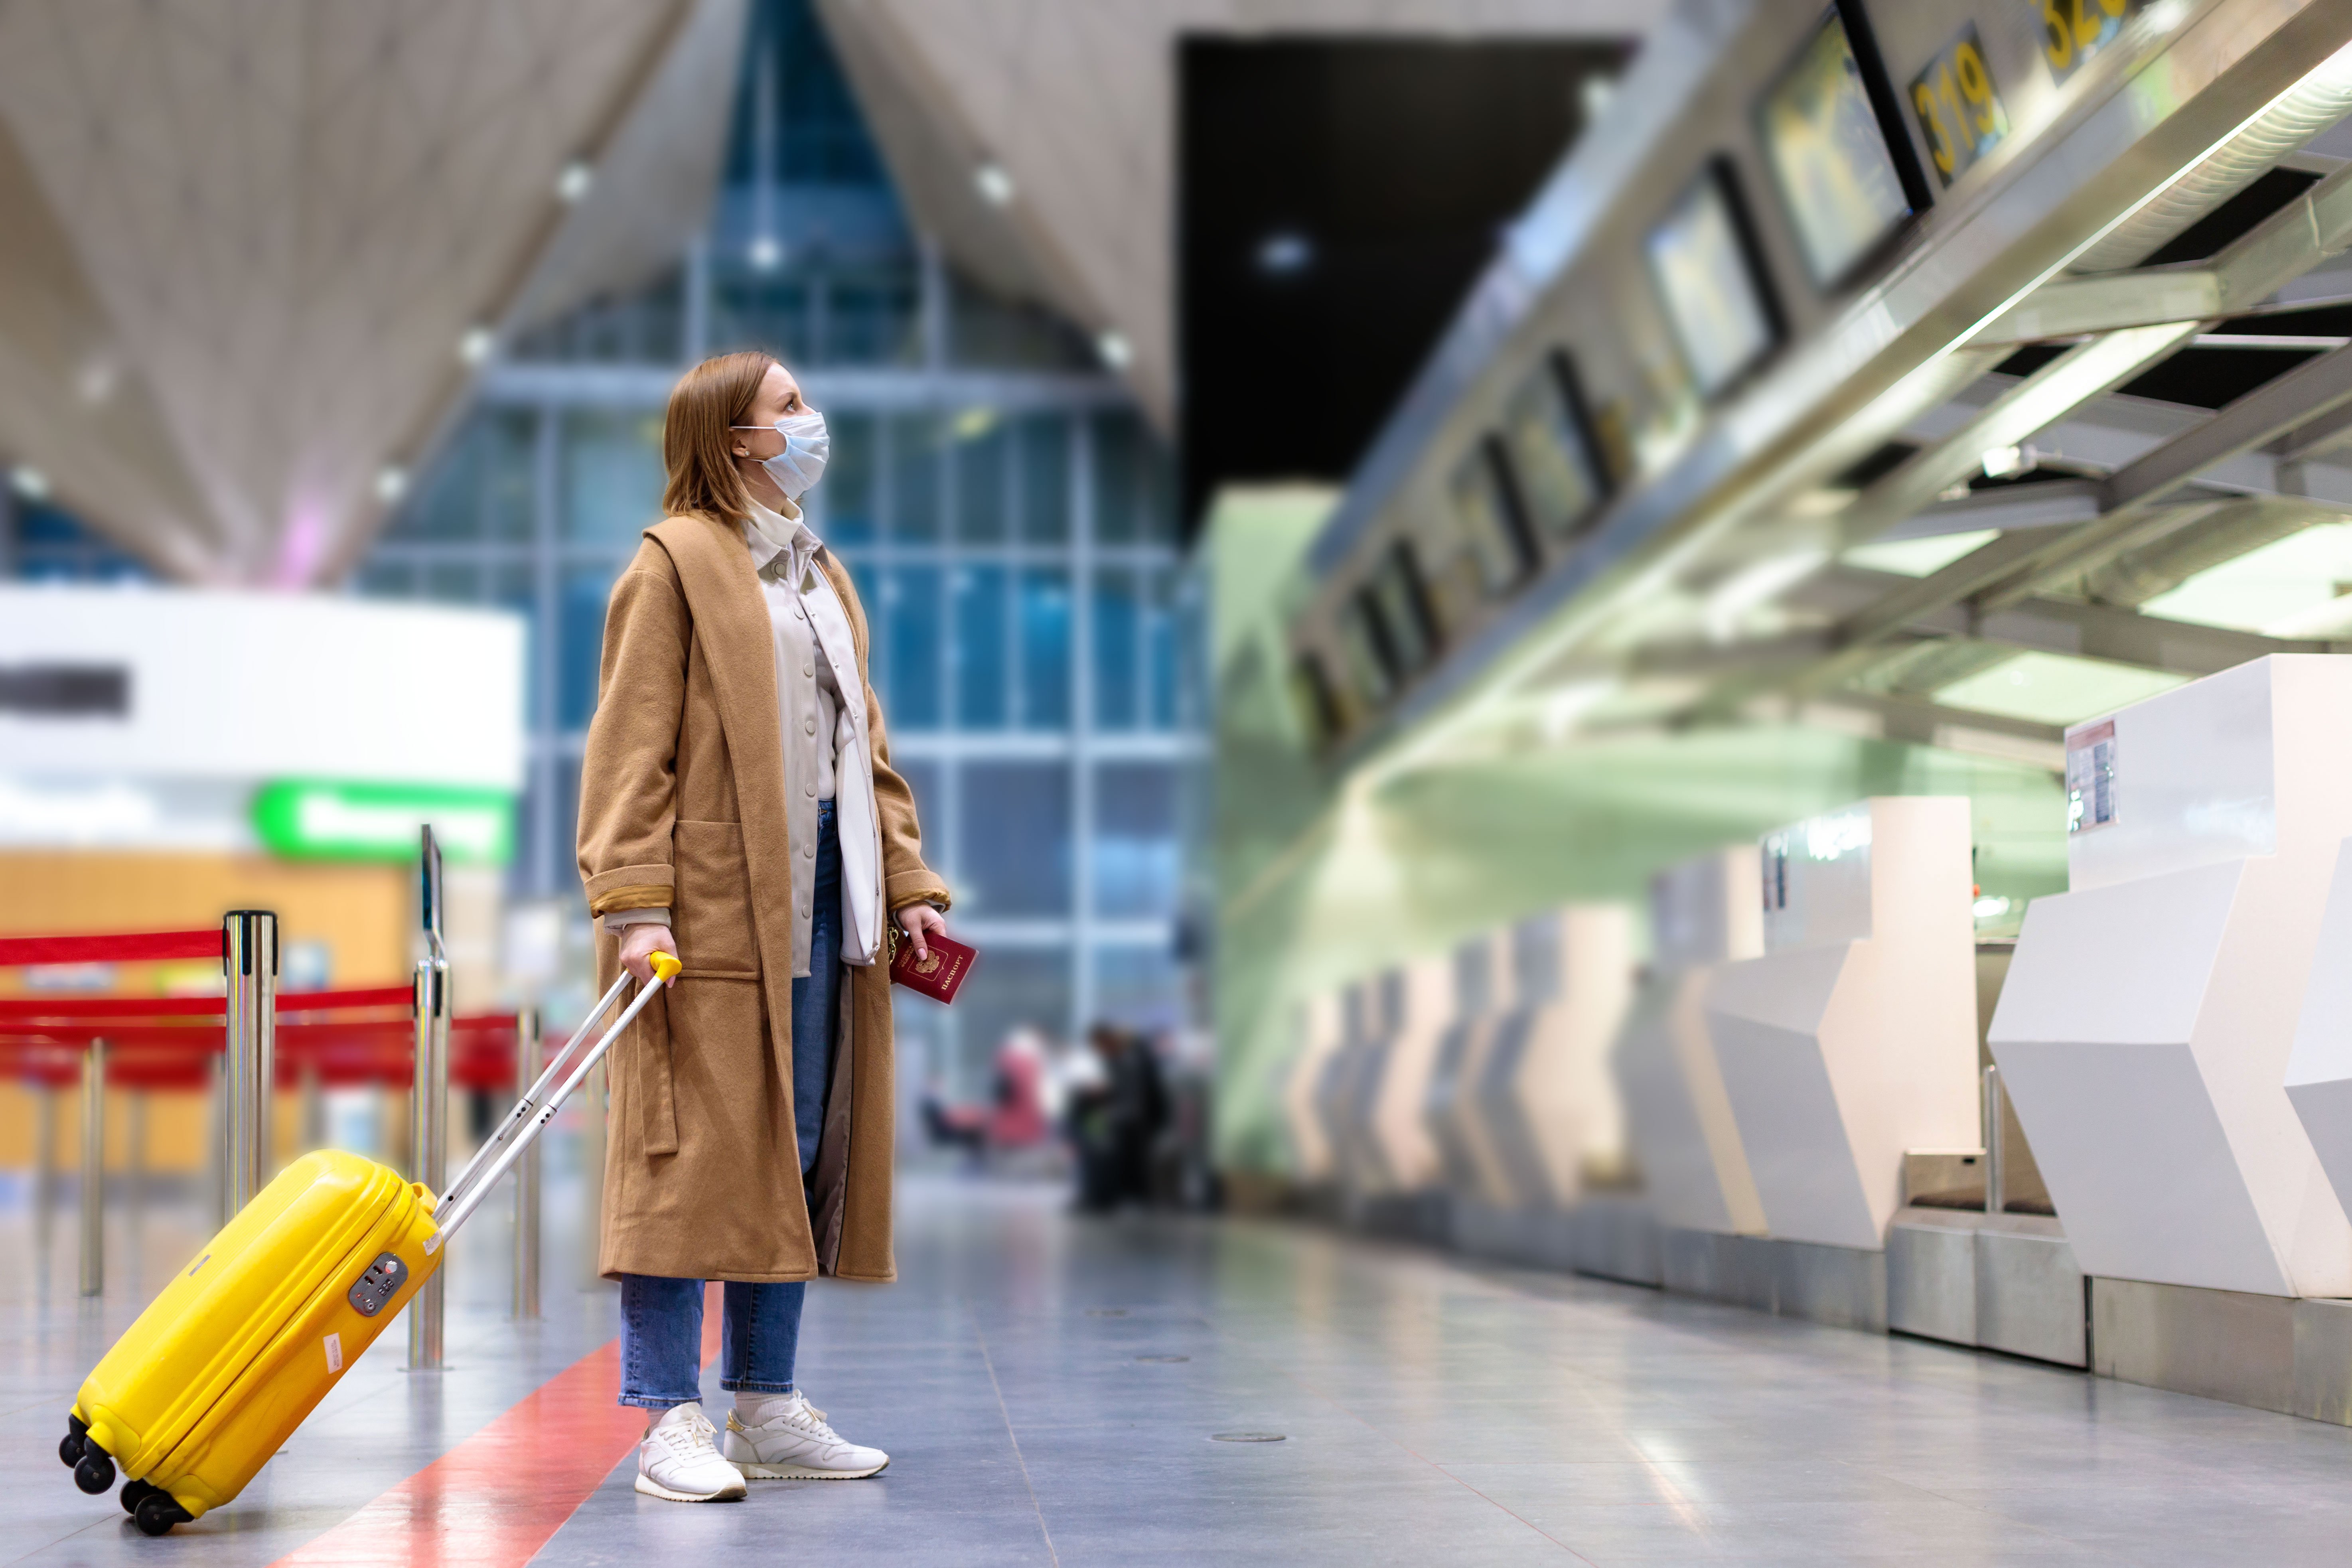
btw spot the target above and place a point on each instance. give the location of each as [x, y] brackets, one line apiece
[682, 804]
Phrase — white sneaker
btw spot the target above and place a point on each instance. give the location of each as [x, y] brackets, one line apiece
[795, 1445]
[677, 1460]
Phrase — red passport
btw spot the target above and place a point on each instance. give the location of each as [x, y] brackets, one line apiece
[937, 973]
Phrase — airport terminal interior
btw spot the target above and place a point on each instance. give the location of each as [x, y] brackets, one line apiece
[1600, 814]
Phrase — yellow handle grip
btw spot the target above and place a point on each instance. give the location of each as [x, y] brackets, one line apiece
[665, 967]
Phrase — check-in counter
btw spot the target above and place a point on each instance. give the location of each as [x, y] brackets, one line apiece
[1363, 1023]
[1546, 1110]
[2148, 1032]
[1394, 1151]
[1703, 913]
[1487, 989]
[1320, 1024]
[1853, 1038]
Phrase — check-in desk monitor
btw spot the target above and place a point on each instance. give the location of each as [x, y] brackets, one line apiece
[2147, 1031]
[1394, 1153]
[1853, 1037]
[1320, 1026]
[1703, 913]
[1482, 992]
[1547, 1111]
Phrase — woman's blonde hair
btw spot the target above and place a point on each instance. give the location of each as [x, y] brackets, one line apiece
[697, 437]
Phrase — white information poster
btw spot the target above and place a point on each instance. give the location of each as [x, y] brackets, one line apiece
[2091, 778]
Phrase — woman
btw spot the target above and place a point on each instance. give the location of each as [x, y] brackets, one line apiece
[737, 809]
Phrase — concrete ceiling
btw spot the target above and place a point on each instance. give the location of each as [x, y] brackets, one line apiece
[1074, 100]
[247, 238]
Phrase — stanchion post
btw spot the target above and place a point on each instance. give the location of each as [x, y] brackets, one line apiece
[429, 1143]
[428, 1114]
[1996, 1196]
[526, 1175]
[93, 1168]
[45, 1180]
[250, 953]
[135, 1182]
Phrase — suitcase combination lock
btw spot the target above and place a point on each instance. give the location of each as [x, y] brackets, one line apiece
[379, 1284]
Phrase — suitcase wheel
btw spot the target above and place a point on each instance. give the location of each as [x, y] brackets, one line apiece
[95, 1474]
[132, 1494]
[69, 1447]
[157, 1514]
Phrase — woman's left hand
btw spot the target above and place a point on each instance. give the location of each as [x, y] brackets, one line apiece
[920, 921]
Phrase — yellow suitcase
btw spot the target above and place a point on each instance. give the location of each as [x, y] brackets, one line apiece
[240, 1347]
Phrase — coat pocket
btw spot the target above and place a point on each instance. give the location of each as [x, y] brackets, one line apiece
[711, 914]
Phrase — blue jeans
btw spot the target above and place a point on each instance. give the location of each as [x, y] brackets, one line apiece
[816, 995]
[661, 1339]
[661, 1320]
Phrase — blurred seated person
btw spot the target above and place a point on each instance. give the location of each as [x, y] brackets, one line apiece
[1018, 1119]
[1014, 1117]
[963, 1127]
[1116, 1120]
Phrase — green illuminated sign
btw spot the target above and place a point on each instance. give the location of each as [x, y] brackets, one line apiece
[312, 819]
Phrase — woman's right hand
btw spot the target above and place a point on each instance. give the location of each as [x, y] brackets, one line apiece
[639, 943]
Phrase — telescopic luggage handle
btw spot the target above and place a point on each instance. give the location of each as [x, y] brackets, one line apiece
[665, 967]
[530, 1099]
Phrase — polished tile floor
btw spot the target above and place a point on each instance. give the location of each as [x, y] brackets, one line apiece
[1054, 1391]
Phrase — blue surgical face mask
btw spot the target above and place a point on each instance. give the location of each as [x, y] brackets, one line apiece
[807, 445]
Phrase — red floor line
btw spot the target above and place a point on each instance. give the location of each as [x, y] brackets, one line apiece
[497, 1498]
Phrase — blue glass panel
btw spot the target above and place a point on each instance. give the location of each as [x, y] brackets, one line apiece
[1116, 661]
[1045, 648]
[812, 131]
[1015, 838]
[1138, 987]
[981, 680]
[1044, 442]
[1138, 856]
[981, 477]
[1133, 501]
[915, 475]
[1163, 649]
[911, 613]
[612, 476]
[869, 318]
[480, 488]
[844, 500]
[580, 643]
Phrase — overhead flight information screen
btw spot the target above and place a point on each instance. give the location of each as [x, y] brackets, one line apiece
[1829, 155]
[1699, 259]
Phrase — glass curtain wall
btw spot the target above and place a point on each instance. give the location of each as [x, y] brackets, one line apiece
[1005, 514]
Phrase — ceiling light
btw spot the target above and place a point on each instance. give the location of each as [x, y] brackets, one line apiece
[993, 184]
[573, 182]
[1115, 350]
[1595, 94]
[2004, 462]
[1285, 253]
[30, 482]
[766, 254]
[390, 483]
[476, 345]
[95, 380]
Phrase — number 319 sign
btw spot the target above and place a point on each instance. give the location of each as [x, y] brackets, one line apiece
[1959, 113]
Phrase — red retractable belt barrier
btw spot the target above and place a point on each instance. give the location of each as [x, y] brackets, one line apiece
[67, 1008]
[121, 947]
